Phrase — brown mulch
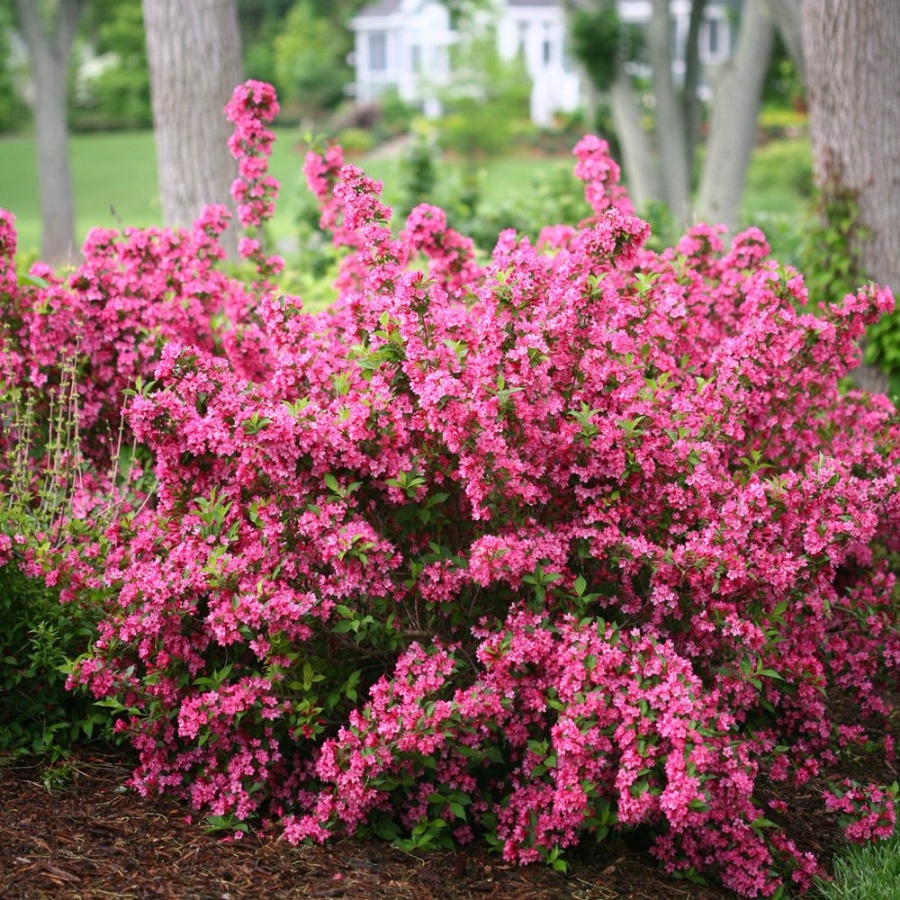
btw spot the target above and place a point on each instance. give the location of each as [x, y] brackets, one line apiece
[74, 831]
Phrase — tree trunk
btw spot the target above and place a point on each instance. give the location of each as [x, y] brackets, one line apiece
[675, 166]
[789, 22]
[640, 172]
[852, 75]
[193, 49]
[692, 105]
[734, 119]
[50, 39]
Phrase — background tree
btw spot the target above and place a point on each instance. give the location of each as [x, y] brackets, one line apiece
[310, 55]
[49, 28]
[735, 113]
[261, 21]
[119, 97]
[13, 109]
[194, 52]
[605, 46]
[852, 64]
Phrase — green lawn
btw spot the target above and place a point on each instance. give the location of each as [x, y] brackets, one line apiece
[115, 181]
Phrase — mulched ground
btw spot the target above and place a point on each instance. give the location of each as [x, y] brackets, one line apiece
[74, 830]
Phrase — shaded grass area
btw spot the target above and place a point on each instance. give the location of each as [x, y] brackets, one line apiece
[870, 872]
[115, 181]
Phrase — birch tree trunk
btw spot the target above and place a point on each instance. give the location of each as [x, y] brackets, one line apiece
[733, 121]
[194, 52]
[732, 133]
[852, 62]
[640, 171]
[674, 163]
[49, 31]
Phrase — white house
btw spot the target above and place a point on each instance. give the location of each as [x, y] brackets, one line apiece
[404, 45]
[537, 29]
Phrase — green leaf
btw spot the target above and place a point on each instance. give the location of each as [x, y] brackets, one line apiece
[33, 281]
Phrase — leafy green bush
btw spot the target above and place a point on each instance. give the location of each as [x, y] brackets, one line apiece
[788, 169]
[357, 140]
[38, 640]
[118, 96]
[485, 99]
[310, 60]
[40, 637]
[13, 111]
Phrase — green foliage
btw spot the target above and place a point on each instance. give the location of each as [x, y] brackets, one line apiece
[13, 111]
[260, 63]
[777, 121]
[783, 86]
[782, 167]
[869, 872]
[553, 195]
[356, 140]
[829, 255]
[395, 114]
[418, 172]
[310, 60]
[119, 96]
[485, 99]
[597, 36]
[601, 41]
[40, 637]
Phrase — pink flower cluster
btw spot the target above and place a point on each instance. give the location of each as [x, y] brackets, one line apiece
[569, 540]
[868, 812]
[252, 106]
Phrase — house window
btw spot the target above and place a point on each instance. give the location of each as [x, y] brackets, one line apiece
[547, 52]
[415, 58]
[712, 37]
[714, 40]
[378, 51]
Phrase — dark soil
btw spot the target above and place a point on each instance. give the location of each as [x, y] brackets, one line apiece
[73, 830]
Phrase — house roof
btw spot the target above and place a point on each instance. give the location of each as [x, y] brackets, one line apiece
[380, 8]
[386, 7]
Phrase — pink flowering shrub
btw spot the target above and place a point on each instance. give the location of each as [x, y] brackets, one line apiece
[575, 539]
[866, 811]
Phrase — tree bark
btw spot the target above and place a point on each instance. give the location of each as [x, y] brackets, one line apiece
[735, 113]
[50, 34]
[692, 104]
[194, 53]
[789, 22]
[640, 171]
[852, 76]
[675, 166]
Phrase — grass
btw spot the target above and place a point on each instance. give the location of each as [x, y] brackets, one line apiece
[114, 177]
[869, 872]
[115, 181]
